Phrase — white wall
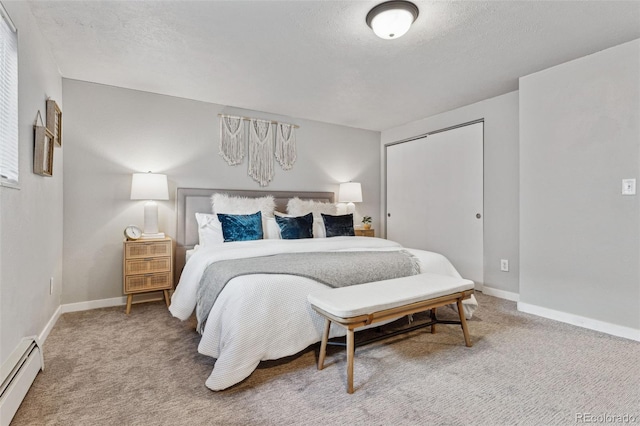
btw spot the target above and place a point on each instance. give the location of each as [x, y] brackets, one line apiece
[31, 219]
[500, 116]
[112, 132]
[579, 137]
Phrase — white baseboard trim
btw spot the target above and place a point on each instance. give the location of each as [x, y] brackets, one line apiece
[580, 321]
[502, 294]
[24, 386]
[93, 304]
[85, 306]
[47, 328]
[75, 307]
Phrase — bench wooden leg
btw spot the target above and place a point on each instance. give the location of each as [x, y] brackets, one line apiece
[463, 323]
[433, 318]
[323, 344]
[350, 353]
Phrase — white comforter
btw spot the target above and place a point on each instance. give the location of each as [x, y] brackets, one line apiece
[262, 317]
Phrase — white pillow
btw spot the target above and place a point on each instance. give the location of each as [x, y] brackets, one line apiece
[223, 203]
[209, 229]
[319, 230]
[227, 204]
[271, 230]
[298, 207]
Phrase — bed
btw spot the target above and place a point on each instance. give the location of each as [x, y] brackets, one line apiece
[261, 317]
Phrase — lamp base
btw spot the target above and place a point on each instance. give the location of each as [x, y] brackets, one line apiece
[156, 236]
[351, 208]
[150, 231]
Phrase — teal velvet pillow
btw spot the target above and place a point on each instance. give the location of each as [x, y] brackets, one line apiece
[295, 228]
[241, 227]
[338, 226]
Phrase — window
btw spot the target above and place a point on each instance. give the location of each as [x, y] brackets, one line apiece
[8, 101]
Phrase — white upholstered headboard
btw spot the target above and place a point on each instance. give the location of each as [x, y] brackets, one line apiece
[190, 201]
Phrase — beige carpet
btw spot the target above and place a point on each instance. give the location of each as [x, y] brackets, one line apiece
[105, 368]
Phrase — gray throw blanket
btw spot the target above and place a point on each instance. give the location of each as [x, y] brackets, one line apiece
[335, 269]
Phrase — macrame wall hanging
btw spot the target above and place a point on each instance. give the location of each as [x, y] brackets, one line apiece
[285, 145]
[260, 151]
[231, 139]
[261, 140]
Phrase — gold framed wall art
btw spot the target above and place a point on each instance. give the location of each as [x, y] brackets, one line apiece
[43, 151]
[54, 121]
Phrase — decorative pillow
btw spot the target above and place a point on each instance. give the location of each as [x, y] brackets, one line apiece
[318, 227]
[209, 230]
[294, 228]
[271, 230]
[337, 226]
[241, 227]
[223, 203]
[227, 204]
[318, 224]
[298, 207]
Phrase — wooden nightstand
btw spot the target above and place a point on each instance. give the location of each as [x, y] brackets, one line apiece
[365, 232]
[147, 266]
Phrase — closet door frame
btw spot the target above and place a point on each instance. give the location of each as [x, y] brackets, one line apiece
[422, 136]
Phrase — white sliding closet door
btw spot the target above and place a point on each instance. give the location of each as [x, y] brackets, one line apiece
[435, 196]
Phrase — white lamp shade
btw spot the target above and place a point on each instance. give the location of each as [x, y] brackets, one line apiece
[149, 186]
[350, 192]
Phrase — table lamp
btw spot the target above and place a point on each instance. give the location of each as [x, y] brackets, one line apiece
[151, 187]
[350, 192]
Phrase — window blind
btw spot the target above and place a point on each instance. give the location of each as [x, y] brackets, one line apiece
[8, 100]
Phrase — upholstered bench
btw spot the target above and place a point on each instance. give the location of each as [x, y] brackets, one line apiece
[360, 305]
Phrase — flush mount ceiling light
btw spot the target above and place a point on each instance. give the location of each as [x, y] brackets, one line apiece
[392, 19]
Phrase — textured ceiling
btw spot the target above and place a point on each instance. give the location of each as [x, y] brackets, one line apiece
[318, 59]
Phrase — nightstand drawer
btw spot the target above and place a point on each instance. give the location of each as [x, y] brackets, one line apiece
[147, 249]
[147, 265]
[365, 232]
[147, 282]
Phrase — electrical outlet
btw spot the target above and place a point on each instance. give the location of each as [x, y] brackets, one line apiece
[51, 285]
[628, 187]
[504, 265]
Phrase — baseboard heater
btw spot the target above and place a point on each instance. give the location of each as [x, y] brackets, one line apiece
[17, 374]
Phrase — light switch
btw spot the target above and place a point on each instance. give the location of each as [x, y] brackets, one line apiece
[628, 187]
